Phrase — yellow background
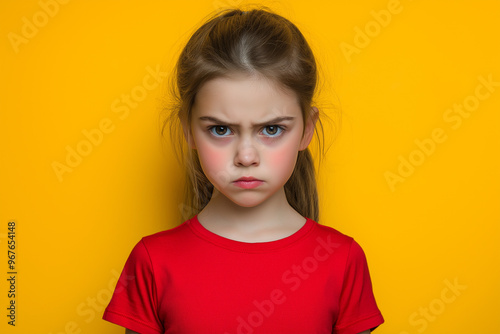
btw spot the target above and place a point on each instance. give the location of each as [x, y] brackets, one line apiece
[440, 225]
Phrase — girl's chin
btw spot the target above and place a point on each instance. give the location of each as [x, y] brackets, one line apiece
[240, 200]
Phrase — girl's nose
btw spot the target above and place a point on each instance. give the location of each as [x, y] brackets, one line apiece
[246, 155]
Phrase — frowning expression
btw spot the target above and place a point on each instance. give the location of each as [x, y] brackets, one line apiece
[246, 127]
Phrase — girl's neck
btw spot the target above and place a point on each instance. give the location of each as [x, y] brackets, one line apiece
[271, 220]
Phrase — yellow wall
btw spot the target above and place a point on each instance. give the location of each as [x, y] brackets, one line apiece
[424, 224]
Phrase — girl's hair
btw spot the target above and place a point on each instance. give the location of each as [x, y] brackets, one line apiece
[254, 42]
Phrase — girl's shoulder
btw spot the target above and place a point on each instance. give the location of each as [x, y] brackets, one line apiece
[169, 235]
[332, 232]
[339, 241]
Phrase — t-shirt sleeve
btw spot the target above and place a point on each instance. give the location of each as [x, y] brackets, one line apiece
[134, 303]
[358, 309]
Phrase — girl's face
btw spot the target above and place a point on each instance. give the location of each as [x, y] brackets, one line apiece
[246, 127]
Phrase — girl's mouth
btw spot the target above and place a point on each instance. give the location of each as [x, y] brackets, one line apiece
[247, 184]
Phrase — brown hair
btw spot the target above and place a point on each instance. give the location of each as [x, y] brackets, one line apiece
[231, 41]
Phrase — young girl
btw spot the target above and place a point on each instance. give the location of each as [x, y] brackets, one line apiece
[252, 258]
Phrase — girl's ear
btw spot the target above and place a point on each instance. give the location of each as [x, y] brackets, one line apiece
[187, 135]
[309, 128]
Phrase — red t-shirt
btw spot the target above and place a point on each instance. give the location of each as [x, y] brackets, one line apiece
[191, 280]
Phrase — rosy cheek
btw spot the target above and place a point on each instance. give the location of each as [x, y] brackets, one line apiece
[284, 158]
[213, 160]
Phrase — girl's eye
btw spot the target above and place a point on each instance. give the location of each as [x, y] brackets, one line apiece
[219, 130]
[274, 130]
[223, 131]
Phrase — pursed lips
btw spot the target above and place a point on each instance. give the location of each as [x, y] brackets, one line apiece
[247, 179]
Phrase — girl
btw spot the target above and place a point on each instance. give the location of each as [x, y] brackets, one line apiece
[252, 258]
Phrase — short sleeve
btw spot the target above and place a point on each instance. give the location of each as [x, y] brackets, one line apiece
[134, 303]
[358, 308]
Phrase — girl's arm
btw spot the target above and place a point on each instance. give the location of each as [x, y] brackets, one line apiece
[128, 331]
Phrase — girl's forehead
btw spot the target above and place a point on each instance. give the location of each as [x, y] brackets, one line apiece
[244, 84]
[245, 94]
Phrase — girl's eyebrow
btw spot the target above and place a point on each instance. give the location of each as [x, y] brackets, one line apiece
[271, 121]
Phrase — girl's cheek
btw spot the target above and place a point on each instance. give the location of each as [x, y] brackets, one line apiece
[284, 158]
[213, 160]
[211, 155]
